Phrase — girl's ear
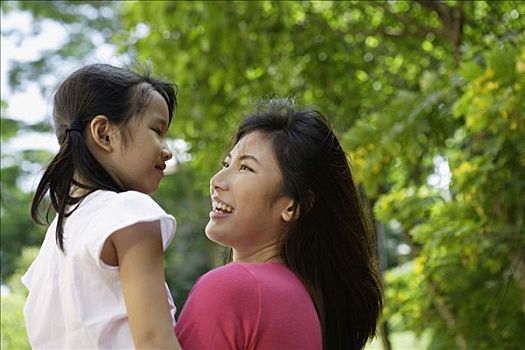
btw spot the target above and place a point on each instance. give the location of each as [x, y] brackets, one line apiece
[289, 212]
[99, 131]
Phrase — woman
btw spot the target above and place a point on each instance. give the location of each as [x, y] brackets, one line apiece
[302, 272]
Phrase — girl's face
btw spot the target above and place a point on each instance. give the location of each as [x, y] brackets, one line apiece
[249, 213]
[138, 164]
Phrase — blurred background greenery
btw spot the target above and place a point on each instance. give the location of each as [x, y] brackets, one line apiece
[426, 96]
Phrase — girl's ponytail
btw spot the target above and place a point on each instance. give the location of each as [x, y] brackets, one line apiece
[57, 180]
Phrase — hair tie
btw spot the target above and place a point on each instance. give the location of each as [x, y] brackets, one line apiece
[77, 125]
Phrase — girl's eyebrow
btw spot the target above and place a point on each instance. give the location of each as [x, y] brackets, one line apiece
[160, 120]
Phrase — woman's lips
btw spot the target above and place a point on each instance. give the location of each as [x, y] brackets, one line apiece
[217, 214]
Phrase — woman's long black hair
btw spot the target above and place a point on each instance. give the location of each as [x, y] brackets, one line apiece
[98, 89]
[329, 245]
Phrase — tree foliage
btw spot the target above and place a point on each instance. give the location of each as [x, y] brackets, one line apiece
[410, 87]
[15, 225]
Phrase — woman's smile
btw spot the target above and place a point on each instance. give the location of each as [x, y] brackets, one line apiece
[220, 209]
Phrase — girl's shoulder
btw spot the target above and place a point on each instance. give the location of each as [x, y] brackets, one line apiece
[121, 200]
[119, 196]
[102, 213]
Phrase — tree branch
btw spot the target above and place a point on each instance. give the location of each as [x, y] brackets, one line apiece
[446, 314]
[518, 273]
[452, 19]
[439, 7]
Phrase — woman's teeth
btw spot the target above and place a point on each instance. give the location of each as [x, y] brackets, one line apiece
[222, 207]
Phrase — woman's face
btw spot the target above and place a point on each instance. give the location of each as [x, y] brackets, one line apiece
[249, 212]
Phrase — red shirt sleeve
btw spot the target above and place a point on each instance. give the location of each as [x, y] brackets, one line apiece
[222, 311]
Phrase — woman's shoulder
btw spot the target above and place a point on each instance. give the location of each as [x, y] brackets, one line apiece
[258, 277]
[247, 272]
[230, 276]
[266, 298]
[225, 306]
[233, 283]
[229, 288]
[272, 274]
[279, 288]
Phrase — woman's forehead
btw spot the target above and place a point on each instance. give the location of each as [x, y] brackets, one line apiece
[255, 141]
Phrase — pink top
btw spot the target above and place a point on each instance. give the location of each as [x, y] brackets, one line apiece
[249, 306]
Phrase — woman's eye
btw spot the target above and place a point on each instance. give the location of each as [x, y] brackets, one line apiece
[244, 167]
[157, 131]
[225, 164]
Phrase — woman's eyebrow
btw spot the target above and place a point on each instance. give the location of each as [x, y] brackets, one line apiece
[248, 156]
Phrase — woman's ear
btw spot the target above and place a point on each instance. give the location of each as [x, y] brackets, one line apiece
[99, 130]
[289, 212]
[293, 211]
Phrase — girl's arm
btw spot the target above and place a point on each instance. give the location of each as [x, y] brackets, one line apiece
[140, 257]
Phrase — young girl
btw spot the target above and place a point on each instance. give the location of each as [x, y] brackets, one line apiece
[303, 274]
[98, 281]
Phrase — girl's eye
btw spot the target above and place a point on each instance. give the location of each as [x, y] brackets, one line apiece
[225, 164]
[157, 131]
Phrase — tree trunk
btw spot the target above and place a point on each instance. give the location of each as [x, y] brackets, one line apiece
[518, 273]
[384, 333]
[446, 315]
[452, 20]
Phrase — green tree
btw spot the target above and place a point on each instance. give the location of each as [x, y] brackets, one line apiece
[16, 227]
[13, 335]
[409, 86]
[417, 69]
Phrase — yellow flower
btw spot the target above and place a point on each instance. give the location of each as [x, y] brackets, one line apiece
[419, 265]
[491, 85]
[520, 66]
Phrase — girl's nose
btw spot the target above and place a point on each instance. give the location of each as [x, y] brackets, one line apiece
[166, 153]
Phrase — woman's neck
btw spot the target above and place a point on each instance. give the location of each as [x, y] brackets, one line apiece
[268, 253]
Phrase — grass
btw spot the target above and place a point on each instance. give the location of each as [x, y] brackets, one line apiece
[405, 340]
[13, 335]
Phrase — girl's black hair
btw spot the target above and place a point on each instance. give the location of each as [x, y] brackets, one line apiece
[329, 244]
[98, 89]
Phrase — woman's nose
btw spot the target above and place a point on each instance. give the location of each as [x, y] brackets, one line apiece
[219, 181]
